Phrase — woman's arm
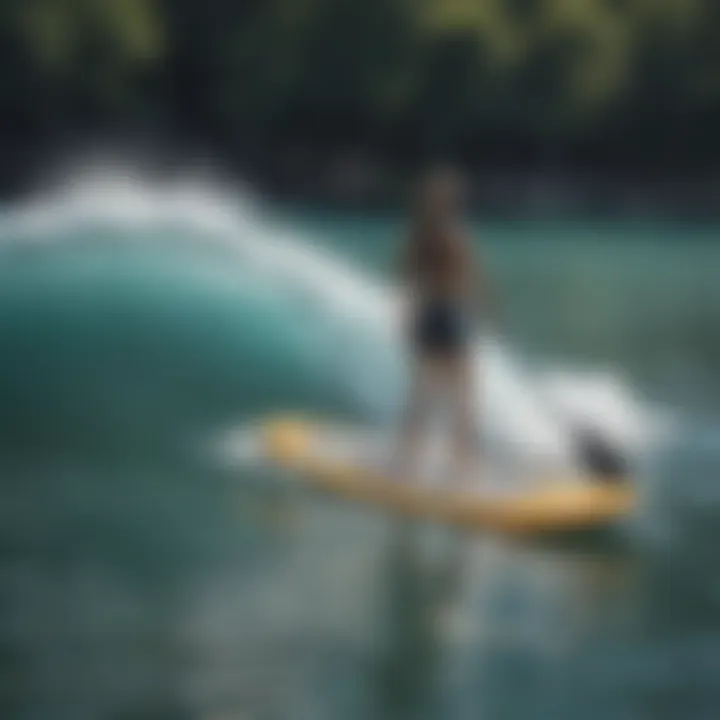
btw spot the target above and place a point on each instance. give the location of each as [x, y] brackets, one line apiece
[405, 269]
[479, 289]
[406, 262]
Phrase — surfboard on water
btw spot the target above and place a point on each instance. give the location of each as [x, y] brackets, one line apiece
[341, 464]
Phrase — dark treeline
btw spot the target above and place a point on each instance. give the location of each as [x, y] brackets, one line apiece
[613, 89]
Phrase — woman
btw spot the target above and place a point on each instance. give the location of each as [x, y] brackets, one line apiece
[442, 279]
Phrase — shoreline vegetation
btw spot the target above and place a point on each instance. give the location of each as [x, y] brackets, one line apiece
[552, 107]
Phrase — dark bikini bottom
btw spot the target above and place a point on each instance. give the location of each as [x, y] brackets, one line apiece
[441, 328]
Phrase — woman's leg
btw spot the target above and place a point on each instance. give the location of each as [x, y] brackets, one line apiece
[465, 438]
[422, 386]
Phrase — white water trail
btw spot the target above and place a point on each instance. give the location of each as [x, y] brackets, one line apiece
[525, 413]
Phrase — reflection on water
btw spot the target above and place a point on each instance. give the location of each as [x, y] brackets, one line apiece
[124, 599]
[489, 629]
[420, 595]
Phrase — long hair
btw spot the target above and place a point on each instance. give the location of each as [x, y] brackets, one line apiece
[436, 202]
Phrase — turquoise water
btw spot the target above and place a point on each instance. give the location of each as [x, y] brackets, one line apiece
[143, 577]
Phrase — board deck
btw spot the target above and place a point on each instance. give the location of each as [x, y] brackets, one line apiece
[552, 505]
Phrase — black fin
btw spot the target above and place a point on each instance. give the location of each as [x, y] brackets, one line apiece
[600, 459]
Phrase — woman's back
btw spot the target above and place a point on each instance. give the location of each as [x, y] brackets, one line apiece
[437, 262]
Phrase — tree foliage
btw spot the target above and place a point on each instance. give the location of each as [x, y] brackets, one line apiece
[619, 82]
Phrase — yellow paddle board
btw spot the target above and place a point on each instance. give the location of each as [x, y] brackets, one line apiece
[551, 505]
